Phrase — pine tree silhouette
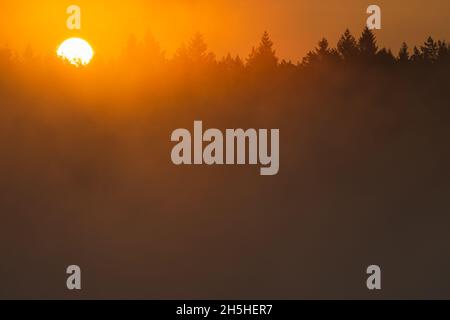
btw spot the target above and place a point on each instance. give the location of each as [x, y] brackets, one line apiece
[367, 45]
[181, 55]
[443, 51]
[152, 49]
[430, 51]
[197, 51]
[227, 62]
[264, 57]
[385, 57]
[417, 57]
[403, 55]
[347, 46]
[231, 64]
[322, 54]
[194, 57]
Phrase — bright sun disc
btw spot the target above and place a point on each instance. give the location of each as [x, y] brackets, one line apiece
[76, 51]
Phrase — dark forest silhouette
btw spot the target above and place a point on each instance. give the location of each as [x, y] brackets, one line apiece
[349, 50]
[86, 175]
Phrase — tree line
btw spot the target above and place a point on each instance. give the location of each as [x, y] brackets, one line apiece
[349, 50]
[263, 57]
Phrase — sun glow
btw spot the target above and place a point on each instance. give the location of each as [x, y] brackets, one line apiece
[76, 51]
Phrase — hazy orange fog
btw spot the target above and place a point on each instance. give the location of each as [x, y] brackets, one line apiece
[228, 26]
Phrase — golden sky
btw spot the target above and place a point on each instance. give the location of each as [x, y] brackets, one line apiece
[235, 26]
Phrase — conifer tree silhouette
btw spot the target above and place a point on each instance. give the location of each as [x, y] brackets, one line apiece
[286, 64]
[430, 51]
[145, 53]
[347, 47]
[230, 63]
[385, 57]
[443, 51]
[367, 45]
[264, 57]
[195, 56]
[321, 54]
[197, 51]
[152, 49]
[417, 57]
[238, 62]
[403, 55]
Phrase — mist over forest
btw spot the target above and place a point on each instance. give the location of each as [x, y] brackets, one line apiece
[86, 175]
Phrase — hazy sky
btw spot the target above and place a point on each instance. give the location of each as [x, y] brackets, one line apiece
[235, 26]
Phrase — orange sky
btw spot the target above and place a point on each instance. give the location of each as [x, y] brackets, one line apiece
[295, 25]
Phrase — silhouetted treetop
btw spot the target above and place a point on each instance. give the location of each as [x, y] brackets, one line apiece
[147, 52]
[403, 55]
[198, 49]
[322, 54]
[416, 57]
[430, 50]
[385, 56]
[230, 63]
[367, 45]
[443, 51]
[347, 46]
[195, 54]
[264, 57]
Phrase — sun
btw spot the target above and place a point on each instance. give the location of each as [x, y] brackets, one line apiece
[76, 51]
